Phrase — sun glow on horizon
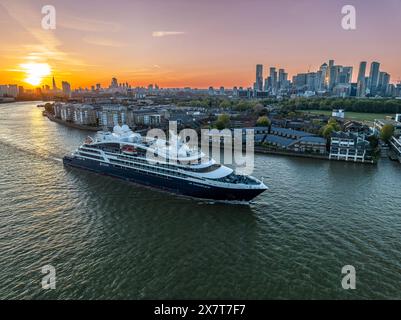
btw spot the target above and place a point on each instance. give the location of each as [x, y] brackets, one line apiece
[35, 72]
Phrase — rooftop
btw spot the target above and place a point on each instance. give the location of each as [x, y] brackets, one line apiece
[291, 132]
[389, 121]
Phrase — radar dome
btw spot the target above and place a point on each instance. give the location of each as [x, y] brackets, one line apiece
[125, 128]
[135, 138]
[117, 129]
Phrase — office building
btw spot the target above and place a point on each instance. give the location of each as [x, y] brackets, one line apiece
[66, 87]
[361, 83]
[374, 77]
[273, 79]
[259, 78]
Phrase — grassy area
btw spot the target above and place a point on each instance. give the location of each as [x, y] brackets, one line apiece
[358, 116]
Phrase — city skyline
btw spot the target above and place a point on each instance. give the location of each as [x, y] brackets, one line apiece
[178, 44]
[263, 74]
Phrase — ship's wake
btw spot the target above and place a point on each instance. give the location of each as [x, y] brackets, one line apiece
[44, 153]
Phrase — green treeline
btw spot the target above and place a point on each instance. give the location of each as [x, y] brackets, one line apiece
[350, 105]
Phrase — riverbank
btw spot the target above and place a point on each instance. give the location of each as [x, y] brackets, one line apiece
[257, 149]
[70, 124]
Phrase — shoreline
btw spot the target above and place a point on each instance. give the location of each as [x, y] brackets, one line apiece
[257, 149]
[70, 124]
[262, 150]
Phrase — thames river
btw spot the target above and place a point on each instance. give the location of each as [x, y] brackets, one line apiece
[108, 239]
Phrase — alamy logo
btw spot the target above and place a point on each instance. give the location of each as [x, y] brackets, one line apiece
[349, 280]
[348, 22]
[49, 20]
[49, 280]
[182, 147]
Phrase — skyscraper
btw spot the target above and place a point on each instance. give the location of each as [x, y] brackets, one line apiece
[361, 84]
[344, 75]
[66, 88]
[332, 75]
[374, 77]
[300, 81]
[324, 80]
[273, 79]
[114, 83]
[311, 81]
[319, 80]
[259, 78]
[282, 78]
[362, 71]
[267, 84]
[54, 85]
[384, 81]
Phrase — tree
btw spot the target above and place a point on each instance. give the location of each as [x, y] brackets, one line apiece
[242, 106]
[374, 141]
[328, 130]
[333, 122]
[258, 109]
[225, 104]
[263, 122]
[223, 121]
[387, 132]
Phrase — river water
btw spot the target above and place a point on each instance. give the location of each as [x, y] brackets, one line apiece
[110, 239]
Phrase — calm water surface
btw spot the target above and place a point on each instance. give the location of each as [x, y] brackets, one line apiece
[110, 239]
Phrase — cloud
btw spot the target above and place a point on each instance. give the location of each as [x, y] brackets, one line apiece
[158, 34]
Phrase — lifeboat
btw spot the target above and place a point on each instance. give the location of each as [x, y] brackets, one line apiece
[128, 149]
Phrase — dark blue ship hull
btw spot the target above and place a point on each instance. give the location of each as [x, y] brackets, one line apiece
[171, 184]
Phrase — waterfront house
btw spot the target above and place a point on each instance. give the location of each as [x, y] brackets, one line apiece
[395, 144]
[309, 144]
[356, 127]
[349, 146]
[289, 133]
[306, 144]
[64, 111]
[293, 140]
[112, 115]
[256, 130]
[147, 117]
[84, 115]
[57, 110]
[380, 123]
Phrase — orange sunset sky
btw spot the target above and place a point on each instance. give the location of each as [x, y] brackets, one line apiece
[177, 43]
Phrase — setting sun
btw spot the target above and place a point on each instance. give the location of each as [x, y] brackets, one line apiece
[35, 72]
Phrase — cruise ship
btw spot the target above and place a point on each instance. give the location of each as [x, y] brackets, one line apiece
[174, 167]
